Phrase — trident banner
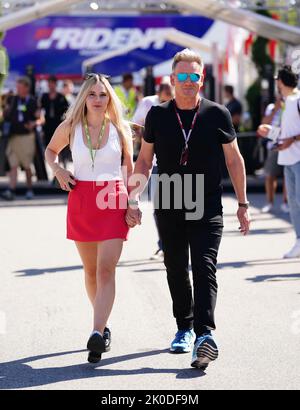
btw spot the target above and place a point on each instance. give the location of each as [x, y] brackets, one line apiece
[59, 44]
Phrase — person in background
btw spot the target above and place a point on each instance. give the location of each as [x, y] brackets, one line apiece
[289, 147]
[272, 169]
[149, 83]
[165, 93]
[68, 91]
[23, 116]
[233, 105]
[55, 106]
[128, 95]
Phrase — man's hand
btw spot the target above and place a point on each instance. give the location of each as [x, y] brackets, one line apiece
[133, 216]
[244, 219]
[284, 144]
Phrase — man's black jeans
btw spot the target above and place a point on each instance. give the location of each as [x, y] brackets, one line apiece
[203, 237]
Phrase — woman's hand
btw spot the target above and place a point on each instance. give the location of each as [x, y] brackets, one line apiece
[133, 217]
[65, 178]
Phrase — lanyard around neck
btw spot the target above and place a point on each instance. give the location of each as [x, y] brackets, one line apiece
[187, 136]
[93, 153]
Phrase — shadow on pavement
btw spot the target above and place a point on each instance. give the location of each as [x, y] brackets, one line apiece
[271, 231]
[36, 272]
[43, 271]
[19, 374]
[258, 262]
[225, 265]
[275, 278]
[146, 262]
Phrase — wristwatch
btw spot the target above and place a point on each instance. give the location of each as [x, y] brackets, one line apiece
[244, 205]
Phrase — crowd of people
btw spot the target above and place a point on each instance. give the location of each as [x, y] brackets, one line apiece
[23, 116]
[27, 118]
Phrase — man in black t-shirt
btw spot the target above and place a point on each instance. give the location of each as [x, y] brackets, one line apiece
[55, 106]
[21, 115]
[188, 136]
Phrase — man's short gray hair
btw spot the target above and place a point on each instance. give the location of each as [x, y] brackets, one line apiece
[189, 56]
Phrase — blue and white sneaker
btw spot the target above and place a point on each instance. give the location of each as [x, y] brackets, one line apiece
[205, 351]
[183, 341]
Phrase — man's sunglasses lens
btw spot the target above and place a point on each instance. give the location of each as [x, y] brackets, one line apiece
[184, 76]
[194, 77]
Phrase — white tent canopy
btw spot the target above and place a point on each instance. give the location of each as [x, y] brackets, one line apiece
[216, 9]
[264, 26]
[38, 10]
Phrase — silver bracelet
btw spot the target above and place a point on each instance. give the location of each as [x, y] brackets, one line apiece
[133, 202]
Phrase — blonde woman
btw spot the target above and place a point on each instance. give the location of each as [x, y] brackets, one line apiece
[101, 143]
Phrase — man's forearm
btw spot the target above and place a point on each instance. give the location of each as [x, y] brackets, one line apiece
[139, 179]
[237, 174]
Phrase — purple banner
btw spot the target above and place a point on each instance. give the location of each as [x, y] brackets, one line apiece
[59, 44]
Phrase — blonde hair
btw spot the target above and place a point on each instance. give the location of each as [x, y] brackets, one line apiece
[189, 56]
[114, 111]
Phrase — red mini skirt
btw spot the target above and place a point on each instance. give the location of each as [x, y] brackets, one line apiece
[96, 211]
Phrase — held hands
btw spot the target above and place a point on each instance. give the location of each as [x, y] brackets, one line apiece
[244, 219]
[65, 178]
[133, 216]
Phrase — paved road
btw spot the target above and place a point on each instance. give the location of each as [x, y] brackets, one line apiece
[45, 317]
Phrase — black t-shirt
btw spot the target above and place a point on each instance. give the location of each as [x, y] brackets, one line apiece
[212, 129]
[54, 108]
[21, 111]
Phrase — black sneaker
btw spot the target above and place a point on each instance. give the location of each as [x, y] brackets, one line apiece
[96, 343]
[107, 339]
[96, 346]
[94, 357]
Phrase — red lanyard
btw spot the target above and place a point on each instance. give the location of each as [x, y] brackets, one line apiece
[184, 155]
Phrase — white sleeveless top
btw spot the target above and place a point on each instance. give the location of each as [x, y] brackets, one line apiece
[107, 162]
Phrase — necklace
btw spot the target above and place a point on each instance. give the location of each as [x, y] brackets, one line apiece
[93, 152]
